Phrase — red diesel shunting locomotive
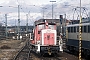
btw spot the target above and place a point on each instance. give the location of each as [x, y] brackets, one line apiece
[45, 38]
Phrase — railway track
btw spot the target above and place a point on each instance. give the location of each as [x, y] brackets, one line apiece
[27, 54]
[35, 56]
[23, 54]
[59, 56]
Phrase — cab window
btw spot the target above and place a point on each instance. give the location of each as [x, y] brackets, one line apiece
[51, 26]
[41, 27]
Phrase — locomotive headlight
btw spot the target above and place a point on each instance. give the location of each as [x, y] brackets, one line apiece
[38, 45]
[38, 42]
[47, 24]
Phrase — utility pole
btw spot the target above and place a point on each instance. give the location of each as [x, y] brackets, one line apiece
[65, 25]
[6, 25]
[15, 28]
[52, 9]
[80, 37]
[18, 22]
[27, 23]
[43, 11]
[15, 24]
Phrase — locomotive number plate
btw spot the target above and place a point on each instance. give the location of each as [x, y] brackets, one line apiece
[48, 31]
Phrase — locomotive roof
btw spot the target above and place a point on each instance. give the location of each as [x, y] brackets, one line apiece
[83, 24]
[44, 23]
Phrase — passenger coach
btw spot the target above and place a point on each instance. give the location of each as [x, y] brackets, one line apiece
[73, 38]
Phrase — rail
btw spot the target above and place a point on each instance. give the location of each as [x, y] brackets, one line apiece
[15, 57]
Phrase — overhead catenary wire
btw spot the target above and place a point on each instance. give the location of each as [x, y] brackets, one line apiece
[28, 15]
[46, 7]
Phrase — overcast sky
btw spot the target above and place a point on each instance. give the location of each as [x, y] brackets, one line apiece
[34, 8]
